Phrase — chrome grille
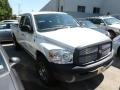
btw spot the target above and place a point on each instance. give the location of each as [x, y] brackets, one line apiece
[91, 54]
[104, 49]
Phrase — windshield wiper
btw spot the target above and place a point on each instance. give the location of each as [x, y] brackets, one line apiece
[52, 28]
[56, 28]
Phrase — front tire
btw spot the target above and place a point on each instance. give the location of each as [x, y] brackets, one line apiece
[44, 72]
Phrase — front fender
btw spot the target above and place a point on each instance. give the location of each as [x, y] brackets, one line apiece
[116, 30]
[45, 47]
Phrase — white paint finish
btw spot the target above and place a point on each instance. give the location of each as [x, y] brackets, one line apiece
[49, 46]
[68, 38]
[115, 26]
[75, 37]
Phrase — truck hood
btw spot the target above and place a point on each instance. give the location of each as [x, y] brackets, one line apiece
[75, 36]
[117, 26]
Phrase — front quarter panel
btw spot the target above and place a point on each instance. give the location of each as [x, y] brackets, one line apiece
[45, 47]
[116, 30]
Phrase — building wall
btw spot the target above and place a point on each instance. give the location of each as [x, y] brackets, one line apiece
[112, 6]
[71, 5]
[51, 6]
[105, 6]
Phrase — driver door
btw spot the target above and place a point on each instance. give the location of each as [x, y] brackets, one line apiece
[29, 36]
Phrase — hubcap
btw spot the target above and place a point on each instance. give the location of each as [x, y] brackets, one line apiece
[42, 71]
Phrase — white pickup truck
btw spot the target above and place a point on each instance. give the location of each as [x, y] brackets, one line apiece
[62, 49]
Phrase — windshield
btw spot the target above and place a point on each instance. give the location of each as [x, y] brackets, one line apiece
[111, 21]
[5, 26]
[3, 67]
[51, 22]
[87, 24]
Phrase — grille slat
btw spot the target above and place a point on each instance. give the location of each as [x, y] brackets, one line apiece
[85, 56]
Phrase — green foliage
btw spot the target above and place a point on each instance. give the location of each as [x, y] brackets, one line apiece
[5, 10]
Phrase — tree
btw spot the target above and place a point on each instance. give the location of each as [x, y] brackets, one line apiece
[5, 10]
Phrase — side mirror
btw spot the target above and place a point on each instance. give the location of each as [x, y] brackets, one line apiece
[27, 28]
[14, 61]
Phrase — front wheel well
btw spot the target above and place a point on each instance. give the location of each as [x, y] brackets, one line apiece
[40, 55]
[118, 51]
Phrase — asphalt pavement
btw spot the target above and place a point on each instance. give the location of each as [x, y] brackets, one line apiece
[109, 80]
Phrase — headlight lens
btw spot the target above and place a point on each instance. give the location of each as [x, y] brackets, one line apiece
[60, 56]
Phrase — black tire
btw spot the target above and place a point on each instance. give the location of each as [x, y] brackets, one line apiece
[17, 46]
[112, 34]
[118, 52]
[44, 72]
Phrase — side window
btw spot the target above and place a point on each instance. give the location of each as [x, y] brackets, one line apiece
[96, 10]
[81, 8]
[27, 21]
[22, 21]
[96, 21]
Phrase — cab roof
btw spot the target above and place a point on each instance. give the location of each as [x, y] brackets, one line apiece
[44, 12]
[102, 17]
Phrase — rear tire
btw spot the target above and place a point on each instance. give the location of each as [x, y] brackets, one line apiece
[17, 46]
[44, 72]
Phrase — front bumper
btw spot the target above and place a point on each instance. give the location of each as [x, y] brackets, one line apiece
[71, 73]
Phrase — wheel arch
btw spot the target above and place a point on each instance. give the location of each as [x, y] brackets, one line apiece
[118, 50]
[40, 54]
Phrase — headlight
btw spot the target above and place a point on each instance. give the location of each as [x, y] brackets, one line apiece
[60, 56]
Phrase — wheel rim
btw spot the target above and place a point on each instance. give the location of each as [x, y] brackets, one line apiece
[43, 72]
